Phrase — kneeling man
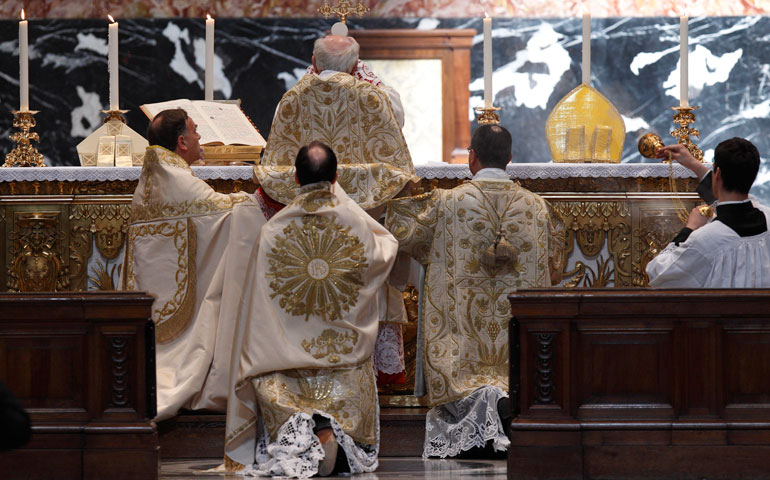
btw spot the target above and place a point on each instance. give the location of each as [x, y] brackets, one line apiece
[185, 245]
[480, 241]
[304, 400]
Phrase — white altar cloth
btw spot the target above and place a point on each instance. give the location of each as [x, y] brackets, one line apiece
[431, 171]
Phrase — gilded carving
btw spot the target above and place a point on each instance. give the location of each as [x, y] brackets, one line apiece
[331, 344]
[588, 277]
[317, 268]
[102, 224]
[37, 264]
[590, 225]
[656, 229]
[104, 276]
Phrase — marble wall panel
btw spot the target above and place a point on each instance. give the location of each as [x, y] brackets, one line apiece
[536, 62]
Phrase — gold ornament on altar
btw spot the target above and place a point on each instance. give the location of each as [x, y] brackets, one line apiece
[113, 144]
[585, 127]
[487, 115]
[25, 154]
[684, 117]
[342, 10]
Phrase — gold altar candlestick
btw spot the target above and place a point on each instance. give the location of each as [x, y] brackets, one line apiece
[342, 10]
[487, 115]
[684, 117]
[25, 154]
[114, 115]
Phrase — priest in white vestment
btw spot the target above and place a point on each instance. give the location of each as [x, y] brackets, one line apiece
[185, 244]
[731, 250]
[304, 400]
[480, 241]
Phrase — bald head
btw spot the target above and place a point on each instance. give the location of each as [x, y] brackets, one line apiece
[333, 52]
[316, 162]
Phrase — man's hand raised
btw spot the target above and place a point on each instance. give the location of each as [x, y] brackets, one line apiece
[682, 155]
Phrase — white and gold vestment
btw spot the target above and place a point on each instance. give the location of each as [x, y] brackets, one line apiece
[464, 304]
[184, 244]
[305, 336]
[356, 120]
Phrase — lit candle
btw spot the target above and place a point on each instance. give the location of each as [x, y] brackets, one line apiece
[488, 94]
[684, 30]
[587, 48]
[209, 84]
[112, 61]
[23, 65]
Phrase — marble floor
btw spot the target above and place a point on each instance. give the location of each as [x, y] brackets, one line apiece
[390, 468]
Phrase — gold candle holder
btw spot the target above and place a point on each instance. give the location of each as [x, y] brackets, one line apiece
[487, 115]
[114, 115]
[25, 154]
[684, 117]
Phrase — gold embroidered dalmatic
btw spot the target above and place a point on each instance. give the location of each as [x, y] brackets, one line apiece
[307, 329]
[465, 306]
[187, 243]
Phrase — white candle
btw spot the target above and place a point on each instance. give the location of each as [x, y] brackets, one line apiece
[488, 94]
[684, 31]
[209, 84]
[23, 65]
[587, 48]
[112, 61]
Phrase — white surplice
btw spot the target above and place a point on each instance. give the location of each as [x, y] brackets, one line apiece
[714, 256]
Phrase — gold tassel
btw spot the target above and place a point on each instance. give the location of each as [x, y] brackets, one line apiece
[499, 254]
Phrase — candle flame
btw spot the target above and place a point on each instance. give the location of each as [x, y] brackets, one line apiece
[208, 17]
[112, 20]
[22, 14]
[486, 15]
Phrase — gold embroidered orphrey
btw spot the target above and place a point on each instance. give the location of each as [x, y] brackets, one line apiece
[317, 268]
[173, 317]
[331, 343]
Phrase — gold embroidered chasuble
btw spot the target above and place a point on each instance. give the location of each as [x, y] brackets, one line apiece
[465, 306]
[306, 333]
[185, 244]
[353, 117]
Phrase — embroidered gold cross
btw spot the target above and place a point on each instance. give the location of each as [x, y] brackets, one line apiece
[342, 10]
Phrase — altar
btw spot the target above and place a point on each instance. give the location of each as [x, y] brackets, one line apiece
[617, 217]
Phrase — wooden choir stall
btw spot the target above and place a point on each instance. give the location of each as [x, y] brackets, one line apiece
[622, 383]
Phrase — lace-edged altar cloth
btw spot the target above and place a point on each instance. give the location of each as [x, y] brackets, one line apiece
[431, 171]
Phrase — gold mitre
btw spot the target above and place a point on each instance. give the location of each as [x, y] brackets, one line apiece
[585, 127]
[356, 120]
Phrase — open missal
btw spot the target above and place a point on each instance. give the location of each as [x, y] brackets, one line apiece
[226, 132]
